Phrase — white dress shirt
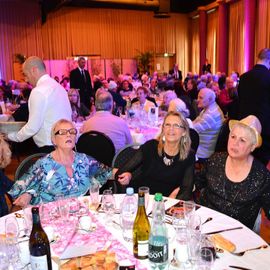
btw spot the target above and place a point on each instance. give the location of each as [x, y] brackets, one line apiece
[48, 103]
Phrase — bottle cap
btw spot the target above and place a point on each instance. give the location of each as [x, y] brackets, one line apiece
[130, 191]
[158, 197]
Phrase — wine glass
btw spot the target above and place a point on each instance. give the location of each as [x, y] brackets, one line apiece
[108, 204]
[94, 195]
[206, 259]
[63, 207]
[189, 208]
[3, 255]
[27, 217]
[11, 228]
[178, 219]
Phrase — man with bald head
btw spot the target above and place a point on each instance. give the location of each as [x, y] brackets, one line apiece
[48, 102]
[104, 121]
[208, 123]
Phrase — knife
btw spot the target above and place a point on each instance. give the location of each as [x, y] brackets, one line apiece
[239, 267]
[225, 230]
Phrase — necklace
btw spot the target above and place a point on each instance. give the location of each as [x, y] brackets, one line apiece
[168, 160]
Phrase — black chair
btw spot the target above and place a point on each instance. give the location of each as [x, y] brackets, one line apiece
[121, 158]
[26, 164]
[98, 145]
[223, 135]
[195, 139]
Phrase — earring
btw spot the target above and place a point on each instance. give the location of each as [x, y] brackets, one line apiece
[184, 139]
[163, 138]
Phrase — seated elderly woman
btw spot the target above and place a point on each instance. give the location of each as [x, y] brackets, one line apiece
[167, 97]
[178, 105]
[63, 171]
[79, 110]
[167, 163]
[142, 100]
[237, 184]
[5, 183]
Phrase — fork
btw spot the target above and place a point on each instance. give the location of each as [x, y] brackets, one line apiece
[243, 252]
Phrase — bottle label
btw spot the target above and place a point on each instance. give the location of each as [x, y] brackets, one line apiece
[39, 263]
[142, 248]
[158, 254]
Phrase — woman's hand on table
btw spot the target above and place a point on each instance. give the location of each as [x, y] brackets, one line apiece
[23, 200]
[124, 178]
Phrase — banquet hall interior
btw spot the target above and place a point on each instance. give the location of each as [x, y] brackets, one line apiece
[115, 37]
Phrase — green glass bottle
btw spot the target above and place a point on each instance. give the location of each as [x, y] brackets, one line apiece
[39, 245]
[141, 230]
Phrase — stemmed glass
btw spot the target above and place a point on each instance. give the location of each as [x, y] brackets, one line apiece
[12, 249]
[3, 255]
[189, 208]
[94, 195]
[108, 204]
[206, 259]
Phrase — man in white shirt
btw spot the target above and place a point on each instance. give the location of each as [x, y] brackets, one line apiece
[48, 102]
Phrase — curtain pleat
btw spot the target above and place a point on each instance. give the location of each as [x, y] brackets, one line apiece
[236, 37]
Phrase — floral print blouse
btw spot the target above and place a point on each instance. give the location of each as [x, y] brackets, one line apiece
[46, 178]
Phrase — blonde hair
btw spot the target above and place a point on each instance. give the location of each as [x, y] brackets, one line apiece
[185, 141]
[61, 121]
[70, 92]
[5, 152]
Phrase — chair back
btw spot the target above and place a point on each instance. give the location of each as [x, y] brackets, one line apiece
[98, 145]
[223, 135]
[26, 164]
[121, 158]
[195, 139]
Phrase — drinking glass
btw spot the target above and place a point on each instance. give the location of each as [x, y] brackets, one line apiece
[11, 228]
[189, 208]
[28, 222]
[3, 255]
[206, 243]
[145, 190]
[194, 223]
[63, 207]
[108, 204]
[206, 259]
[178, 219]
[94, 195]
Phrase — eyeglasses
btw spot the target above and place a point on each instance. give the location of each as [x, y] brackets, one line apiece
[174, 126]
[73, 95]
[71, 131]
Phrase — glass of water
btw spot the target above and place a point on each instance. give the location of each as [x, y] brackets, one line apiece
[108, 204]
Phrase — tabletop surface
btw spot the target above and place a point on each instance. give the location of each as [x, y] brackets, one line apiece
[243, 238]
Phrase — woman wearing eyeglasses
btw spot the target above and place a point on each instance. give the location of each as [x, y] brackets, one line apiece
[167, 163]
[63, 171]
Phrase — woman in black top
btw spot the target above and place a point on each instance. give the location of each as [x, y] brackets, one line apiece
[167, 163]
[237, 184]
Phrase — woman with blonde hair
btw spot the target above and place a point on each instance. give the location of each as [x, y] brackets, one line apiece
[167, 163]
[79, 110]
[6, 184]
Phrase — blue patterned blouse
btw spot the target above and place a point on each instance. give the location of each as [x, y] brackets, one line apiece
[47, 178]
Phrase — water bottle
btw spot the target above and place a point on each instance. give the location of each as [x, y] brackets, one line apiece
[128, 213]
[158, 241]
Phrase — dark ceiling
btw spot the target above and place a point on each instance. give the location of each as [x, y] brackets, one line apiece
[178, 6]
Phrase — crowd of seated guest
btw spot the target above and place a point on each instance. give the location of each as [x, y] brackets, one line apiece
[168, 162]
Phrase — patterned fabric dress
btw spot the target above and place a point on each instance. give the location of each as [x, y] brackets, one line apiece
[47, 178]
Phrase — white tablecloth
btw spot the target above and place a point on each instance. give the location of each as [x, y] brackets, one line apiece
[243, 238]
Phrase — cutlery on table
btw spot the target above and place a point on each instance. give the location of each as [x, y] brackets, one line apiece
[250, 249]
[239, 267]
[207, 220]
[225, 230]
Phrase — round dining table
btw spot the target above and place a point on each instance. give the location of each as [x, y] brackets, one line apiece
[70, 240]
